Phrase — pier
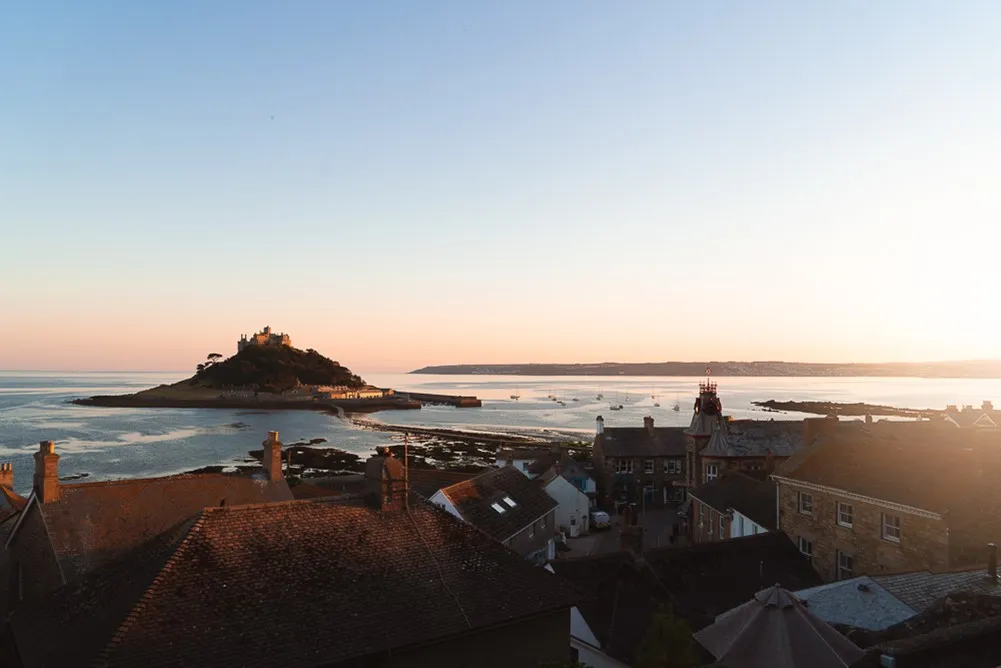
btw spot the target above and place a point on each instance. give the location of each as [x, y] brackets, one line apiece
[443, 399]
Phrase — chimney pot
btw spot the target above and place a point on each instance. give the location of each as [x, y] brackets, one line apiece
[7, 476]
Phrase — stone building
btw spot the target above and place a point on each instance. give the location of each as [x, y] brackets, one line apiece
[639, 464]
[716, 444]
[265, 337]
[867, 499]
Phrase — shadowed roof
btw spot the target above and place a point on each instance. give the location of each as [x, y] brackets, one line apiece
[93, 523]
[475, 498]
[428, 481]
[756, 438]
[752, 498]
[638, 442]
[303, 583]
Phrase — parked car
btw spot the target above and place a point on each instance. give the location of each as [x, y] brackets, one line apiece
[600, 520]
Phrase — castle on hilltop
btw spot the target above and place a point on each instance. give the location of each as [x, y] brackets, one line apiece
[265, 337]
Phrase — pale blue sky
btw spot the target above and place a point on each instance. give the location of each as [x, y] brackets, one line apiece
[406, 183]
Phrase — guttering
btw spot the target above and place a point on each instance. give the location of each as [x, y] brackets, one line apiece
[890, 505]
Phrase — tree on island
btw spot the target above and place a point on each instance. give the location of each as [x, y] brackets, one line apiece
[274, 369]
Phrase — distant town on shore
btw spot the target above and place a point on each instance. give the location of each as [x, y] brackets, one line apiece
[955, 369]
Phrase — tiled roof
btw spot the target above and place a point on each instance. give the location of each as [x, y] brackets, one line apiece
[756, 438]
[859, 602]
[93, 523]
[921, 589]
[752, 498]
[708, 579]
[474, 499]
[623, 595]
[933, 467]
[638, 442]
[302, 583]
[428, 481]
[12, 500]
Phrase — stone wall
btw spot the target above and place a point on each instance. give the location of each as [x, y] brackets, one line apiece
[923, 545]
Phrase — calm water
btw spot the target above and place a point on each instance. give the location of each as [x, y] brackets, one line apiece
[115, 443]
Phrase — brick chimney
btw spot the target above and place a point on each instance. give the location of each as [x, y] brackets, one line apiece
[599, 426]
[46, 481]
[648, 424]
[272, 460]
[7, 476]
[386, 484]
[992, 562]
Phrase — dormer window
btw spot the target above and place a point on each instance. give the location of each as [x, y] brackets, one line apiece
[509, 501]
[498, 508]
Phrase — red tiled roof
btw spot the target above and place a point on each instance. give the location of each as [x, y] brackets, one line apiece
[303, 583]
[474, 499]
[93, 523]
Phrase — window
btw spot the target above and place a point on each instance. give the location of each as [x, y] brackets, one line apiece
[524, 466]
[846, 515]
[806, 547]
[674, 466]
[722, 525]
[891, 527]
[531, 530]
[805, 503]
[542, 523]
[609, 462]
[846, 564]
[712, 524]
[509, 501]
[648, 466]
[623, 466]
[712, 471]
[498, 507]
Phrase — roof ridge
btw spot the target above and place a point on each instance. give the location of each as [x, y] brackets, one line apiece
[101, 661]
[125, 481]
[325, 500]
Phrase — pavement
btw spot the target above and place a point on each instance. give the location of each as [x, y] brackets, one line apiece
[656, 533]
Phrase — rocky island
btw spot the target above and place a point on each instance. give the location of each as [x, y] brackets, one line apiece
[267, 372]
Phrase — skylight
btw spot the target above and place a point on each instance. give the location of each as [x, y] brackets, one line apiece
[497, 507]
[509, 501]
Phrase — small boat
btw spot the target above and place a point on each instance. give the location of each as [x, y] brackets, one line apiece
[575, 399]
[615, 407]
[677, 406]
[562, 403]
[516, 395]
[656, 405]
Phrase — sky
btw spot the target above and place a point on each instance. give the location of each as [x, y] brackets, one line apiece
[400, 184]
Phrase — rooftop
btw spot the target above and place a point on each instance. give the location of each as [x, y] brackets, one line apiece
[752, 498]
[303, 583]
[640, 442]
[500, 502]
[756, 438]
[93, 523]
[935, 468]
[921, 589]
[859, 602]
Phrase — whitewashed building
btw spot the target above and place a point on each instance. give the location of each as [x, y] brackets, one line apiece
[572, 513]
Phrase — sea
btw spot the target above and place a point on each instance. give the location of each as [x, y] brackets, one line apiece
[107, 443]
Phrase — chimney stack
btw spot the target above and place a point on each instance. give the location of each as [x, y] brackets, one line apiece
[7, 476]
[386, 482]
[648, 423]
[599, 426]
[272, 460]
[992, 562]
[46, 481]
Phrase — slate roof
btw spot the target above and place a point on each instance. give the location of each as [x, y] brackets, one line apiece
[428, 481]
[756, 438]
[623, 594]
[859, 602]
[638, 442]
[93, 523]
[474, 499]
[921, 589]
[301, 583]
[934, 467]
[708, 579]
[752, 498]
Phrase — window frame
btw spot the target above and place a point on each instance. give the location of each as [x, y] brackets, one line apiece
[809, 543]
[648, 466]
[623, 465]
[722, 524]
[672, 467]
[895, 526]
[841, 557]
[712, 472]
[800, 497]
[850, 524]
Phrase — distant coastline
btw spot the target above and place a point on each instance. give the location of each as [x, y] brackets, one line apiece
[963, 369]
